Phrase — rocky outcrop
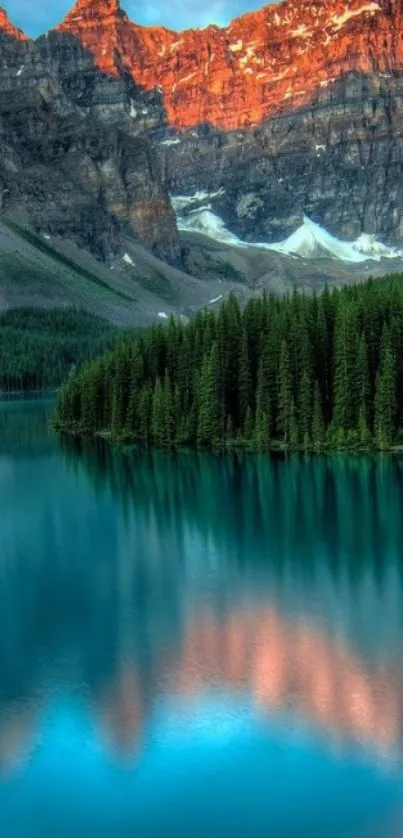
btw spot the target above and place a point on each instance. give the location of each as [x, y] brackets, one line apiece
[265, 63]
[338, 161]
[75, 159]
[8, 28]
[296, 108]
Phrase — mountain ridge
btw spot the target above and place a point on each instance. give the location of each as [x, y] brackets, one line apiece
[263, 63]
[8, 28]
[85, 110]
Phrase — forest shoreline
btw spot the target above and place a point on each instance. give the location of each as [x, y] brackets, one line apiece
[127, 444]
[296, 374]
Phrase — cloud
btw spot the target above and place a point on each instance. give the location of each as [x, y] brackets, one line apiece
[36, 18]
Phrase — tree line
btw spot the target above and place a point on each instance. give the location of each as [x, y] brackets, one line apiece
[40, 347]
[298, 372]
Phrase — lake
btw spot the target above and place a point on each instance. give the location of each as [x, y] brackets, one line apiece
[195, 645]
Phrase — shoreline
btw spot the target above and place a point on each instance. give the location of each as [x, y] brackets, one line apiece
[5, 394]
[128, 444]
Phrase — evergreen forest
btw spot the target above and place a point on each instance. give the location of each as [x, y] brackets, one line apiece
[298, 373]
[40, 347]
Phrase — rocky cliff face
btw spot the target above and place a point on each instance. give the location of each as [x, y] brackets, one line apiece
[265, 63]
[75, 160]
[8, 28]
[296, 108]
[338, 161]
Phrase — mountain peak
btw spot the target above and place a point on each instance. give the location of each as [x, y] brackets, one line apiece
[276, 59]
[91, 11]
[8, 28]
[96, 23]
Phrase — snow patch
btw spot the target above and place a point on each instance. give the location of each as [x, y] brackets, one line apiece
[339, 20]
[209, 224]
[187, 78]
[368, 244]
[126, 258]
[19, 73]
[309, 241]
[180, 202]
[301, 32]
[249, 56]
[171, 142]
[215, 299]
[163, 315]
[236, 47]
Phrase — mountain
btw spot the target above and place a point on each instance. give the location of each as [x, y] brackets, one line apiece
[72, 161]
[135, 288]
[293, 110]
[264, 154]
[264, 63]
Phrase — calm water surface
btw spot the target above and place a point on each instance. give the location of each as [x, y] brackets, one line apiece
[197, 646]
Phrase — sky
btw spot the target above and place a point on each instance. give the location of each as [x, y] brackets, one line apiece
[36, 17]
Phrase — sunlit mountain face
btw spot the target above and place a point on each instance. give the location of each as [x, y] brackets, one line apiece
[192, 643]
[265, 62]
[178, 15]
[288, 119]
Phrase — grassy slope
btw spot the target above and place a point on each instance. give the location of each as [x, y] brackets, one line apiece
[34, 272]
[40, 272]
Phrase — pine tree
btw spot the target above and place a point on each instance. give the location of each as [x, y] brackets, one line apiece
[318, 425]
[385, 396]
[209, 424]
[305, 408]
[158, 415]
[120, 390]
[364, 434]
[135, 383]
[293, 433]
[144, 410]
[245, 381]
[91, 402]
[262, 434]
[169, 415]
[285, 399]
[346, 396]
[249, 425]
[363, 386]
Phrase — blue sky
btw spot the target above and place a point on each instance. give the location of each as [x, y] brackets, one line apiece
[35, 18]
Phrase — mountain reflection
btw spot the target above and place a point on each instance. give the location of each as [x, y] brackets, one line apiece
[281, 667]
[294, 667]
[186, 575]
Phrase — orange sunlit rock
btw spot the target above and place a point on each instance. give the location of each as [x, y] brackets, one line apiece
[275, 59]
[9, 29]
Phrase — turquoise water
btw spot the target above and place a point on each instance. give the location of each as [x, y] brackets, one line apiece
[197, 646]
